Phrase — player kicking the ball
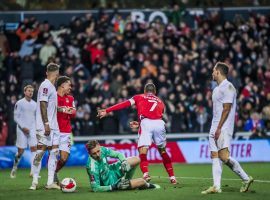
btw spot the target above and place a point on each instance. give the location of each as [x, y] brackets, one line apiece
[109, 177]
[224, 106]
[151, 127]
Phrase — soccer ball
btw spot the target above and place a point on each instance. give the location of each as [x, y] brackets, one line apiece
[68, 185]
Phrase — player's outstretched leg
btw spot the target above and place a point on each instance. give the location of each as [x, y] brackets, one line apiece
[51, 169]
[236, 168]
[16, 162]
[144, 163]
[142, 184]
[216, 172]
[167, 164]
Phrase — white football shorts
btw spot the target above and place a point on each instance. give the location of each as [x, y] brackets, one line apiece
[152, 131]
[52, 139]
[23, 141]
[65, 142]
[224, 141]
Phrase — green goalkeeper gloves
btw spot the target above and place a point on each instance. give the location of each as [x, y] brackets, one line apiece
[125, 166]
[121, 184]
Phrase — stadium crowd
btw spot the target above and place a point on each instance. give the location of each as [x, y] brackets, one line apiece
[110, 58]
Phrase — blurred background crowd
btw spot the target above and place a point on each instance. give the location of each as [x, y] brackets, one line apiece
[110, 58]
[138, 4]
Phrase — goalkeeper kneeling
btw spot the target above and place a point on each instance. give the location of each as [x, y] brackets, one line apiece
[117, 176]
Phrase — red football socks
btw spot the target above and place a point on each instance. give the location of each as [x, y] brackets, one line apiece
[167, 163]
[59, 165]
[144, 163]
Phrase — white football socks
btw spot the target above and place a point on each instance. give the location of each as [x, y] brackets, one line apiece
[36, 165]
[33, 155]
[217, 172]
[17, 160]
[52, 165]
[237, 169]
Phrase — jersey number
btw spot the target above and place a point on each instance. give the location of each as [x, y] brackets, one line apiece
[154, 104]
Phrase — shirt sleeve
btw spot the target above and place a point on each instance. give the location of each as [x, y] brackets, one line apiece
[44, 93]
[114, 154]
[17, 115]
[73, 106]
[134, 99]
[228, 94]
[95, 181]
[119, 106]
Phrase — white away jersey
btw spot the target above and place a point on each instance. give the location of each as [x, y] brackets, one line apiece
[47, 92]
[25, 114]
[223, 93]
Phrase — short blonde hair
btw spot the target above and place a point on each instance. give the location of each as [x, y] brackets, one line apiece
[28, 86]
[52, 67]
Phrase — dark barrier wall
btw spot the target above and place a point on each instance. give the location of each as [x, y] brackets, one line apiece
[57, 18]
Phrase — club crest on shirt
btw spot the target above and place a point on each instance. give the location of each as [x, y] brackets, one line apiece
[92, 177]
[45, 90]
[67, 101]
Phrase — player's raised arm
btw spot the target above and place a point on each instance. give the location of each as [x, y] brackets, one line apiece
[114, 154]
[103, 112]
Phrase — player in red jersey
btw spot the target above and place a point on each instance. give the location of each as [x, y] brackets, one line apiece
[65, 111]
[150, 110]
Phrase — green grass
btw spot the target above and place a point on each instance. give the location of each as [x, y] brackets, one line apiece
[188, 189]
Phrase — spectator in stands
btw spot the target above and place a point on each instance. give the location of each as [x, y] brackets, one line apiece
[47, 51]
[3, 130]
[255, 125]
[29, 27]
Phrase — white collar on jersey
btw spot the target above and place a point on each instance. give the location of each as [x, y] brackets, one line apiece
[223, 82]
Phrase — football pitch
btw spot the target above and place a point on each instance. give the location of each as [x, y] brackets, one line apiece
[192, 180]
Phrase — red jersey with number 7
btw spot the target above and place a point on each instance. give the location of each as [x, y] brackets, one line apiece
[148, 106]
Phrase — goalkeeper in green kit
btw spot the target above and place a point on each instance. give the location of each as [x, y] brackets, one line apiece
[117, 176]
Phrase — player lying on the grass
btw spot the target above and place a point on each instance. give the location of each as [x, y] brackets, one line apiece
[117, 176]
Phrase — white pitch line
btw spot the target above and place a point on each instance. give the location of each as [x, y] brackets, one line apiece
[203, 178]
